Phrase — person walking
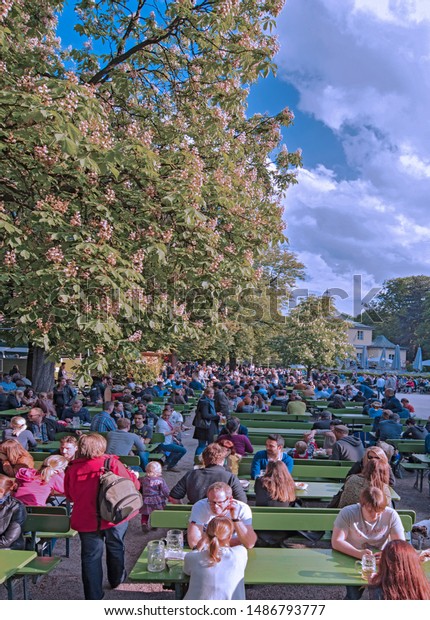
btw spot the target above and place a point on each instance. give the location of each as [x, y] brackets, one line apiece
[81, 486]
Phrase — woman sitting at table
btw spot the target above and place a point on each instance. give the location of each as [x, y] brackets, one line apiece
[12, 517]
[245, 406]
[35, 487]
[375, 473]
[13, 457]
[241, 442]
[29, 397]
[375, 453]
[275, 488]
[365, 527]
[216, 570]
[18, 430]
[400, 575]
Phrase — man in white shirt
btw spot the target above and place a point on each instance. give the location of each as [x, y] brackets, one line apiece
[220, 502]
[170, 445]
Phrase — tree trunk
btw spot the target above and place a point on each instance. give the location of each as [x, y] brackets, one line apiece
[173, 359]
[233, 360]
[40, 371]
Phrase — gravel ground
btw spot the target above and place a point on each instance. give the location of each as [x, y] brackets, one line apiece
[65, 582]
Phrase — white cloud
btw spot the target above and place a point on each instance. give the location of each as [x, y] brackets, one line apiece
[362, 67]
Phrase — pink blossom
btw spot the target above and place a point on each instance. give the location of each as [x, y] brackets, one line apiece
[55, 255]
[136, 337]
[75, 220]
[10, 258]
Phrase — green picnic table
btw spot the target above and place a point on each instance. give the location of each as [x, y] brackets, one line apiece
[9, 413]
[420, 467]
[320, 491]
[305, 567]
[47, 446]
[11, 562]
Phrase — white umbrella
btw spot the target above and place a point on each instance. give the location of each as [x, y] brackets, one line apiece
[418, 361]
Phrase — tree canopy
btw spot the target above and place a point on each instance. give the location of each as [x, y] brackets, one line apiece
[314, 335]
[401, 312]
[133, 181]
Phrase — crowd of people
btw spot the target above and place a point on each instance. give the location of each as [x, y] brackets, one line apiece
[220, 528]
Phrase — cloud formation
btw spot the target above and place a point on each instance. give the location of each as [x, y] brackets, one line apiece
[362, 67]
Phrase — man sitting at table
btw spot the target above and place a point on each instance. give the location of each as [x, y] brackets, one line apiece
[42, 427]
[323, 422]
[220, 502]
[196, 482]
[121, 442]
[295, 405]
[274, 452]
[77, 411]
[347, 447]
[390, 429]
[414, 430]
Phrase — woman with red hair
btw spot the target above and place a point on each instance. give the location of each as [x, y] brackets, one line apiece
[400, 575]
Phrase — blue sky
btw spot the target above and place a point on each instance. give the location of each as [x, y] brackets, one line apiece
[356, 74]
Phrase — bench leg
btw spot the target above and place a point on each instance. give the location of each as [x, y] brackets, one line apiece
[180, 590]
[9, 588]
[26, 589]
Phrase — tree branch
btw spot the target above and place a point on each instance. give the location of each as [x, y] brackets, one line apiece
[98, 77]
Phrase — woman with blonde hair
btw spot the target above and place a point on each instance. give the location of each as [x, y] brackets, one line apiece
[18, 430]
[35, 487]
[373, 453]
[216, 569]
[81, 487]
[375, 473]
[13, 457]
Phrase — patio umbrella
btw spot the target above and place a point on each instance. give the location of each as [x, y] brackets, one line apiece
[364, 358]
[397, 364]
[383, 359]
[418, 361]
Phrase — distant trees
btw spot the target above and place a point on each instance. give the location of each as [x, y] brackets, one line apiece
[401, 312]
[313, 335]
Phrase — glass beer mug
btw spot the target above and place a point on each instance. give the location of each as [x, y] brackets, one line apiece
[368, 566]
[174, 542]
[156, 556]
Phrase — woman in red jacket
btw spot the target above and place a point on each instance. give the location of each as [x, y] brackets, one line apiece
[81, 486]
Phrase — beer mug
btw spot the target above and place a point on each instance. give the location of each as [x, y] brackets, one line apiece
[156, 556]
[368, 566]
[174, 542]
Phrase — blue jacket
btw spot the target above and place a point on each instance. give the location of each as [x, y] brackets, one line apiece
[388, 429]
[427, 444]
[261, 460]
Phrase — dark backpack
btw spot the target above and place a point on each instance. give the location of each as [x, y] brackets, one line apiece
[117, 498]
